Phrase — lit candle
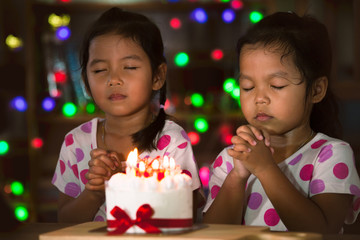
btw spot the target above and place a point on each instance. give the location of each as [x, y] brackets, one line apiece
[155, 166]
[172, 166]
[166, 162]
[131, 163]
[141, 168]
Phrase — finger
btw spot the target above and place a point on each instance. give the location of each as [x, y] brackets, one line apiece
[267, 138]
[235, 154]
[244, 136]
[97, 152]
[243, 128]
[96, 181]
[103, 160]
[114, 157]
[241, 148]
[98, 171]
[257, 133]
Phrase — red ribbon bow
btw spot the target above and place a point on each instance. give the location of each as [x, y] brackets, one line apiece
[123, 222]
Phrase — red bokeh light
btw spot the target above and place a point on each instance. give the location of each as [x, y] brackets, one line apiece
[217, 54]
[175, 23]
[194, 138]
[37, 143]
[237, 4]
[60, 77]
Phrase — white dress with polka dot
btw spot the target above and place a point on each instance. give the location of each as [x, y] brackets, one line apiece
[324, 165]
[69, 176]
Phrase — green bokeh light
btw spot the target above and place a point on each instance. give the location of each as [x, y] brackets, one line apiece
[197, 100]
[17, 188]
[4, 147]
[69, 109]
[90, 108]
[181, 59]
[235, 93]
[201, 125]
[255, 16]
[229, 85]
[21, 213]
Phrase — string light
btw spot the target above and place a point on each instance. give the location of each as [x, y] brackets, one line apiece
[228, 15]
[204, 173]
[17, 188]
[19, 103]
[13, 42]
[90, 108]
[237, 4]
[48, 104]
[217, 54]
[175, 23]
[199, 15]
[201, 125]
[194, 138]
[60, 77]
[255, 16]
[197, 100]
[4, 147]
[229, 85]
[69, 109]
[63, 33]
[37, 143]
[181, 59]
[21, 213]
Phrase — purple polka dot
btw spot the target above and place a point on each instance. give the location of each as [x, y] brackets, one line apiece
[218, 162]
[163, 142]
[318, 144]
[183, 145]
[296, 159]
[79, 154]
[317, 186]
[254, 200]
[166, 154]
[187, 172]
[306, 172]
[62, 167]
[229, 167]
[355, 190]
[72, 189]
[325, 153]
[271, 217]
[75, 170]
[99, 219]
[214, 191]
[184, 134]
[341, 170]
[86, 127]
[69, 140]
[54, 178]
[69, 164]
[82, 176]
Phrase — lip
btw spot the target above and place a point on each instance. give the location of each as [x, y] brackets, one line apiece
[117, 97]
[262, 117]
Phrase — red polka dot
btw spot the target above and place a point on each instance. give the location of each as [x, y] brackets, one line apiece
[62, 167]
[306, 172]
[218, 162]
[183, 145]
[186, 172]
[214, 191]
[318, 144]
[75, 170]
[271, 217]
[341, 170]
[69, 140]
[163, 142]
[82, 176]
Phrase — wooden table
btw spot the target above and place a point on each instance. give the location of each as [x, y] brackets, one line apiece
[97, 230]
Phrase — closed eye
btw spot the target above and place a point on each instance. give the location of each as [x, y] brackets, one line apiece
[277, 87]
[131, 68]
[99, 70]
[247, 89]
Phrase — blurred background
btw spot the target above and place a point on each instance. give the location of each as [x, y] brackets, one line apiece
[42, 96]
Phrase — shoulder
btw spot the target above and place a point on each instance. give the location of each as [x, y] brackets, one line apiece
[223, 159]
[173, 130]
[82, 133]
[323, 143]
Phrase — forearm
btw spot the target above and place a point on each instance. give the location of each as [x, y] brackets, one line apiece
[296, 211]
[81, 209]
[228, 205]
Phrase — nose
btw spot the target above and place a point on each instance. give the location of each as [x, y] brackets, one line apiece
[261, 97]
[115, 80]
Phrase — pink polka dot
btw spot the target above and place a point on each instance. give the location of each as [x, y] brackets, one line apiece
[75, 170]
[325, 153]
[99, 219]
[82, 176]
[296, 159]
[229, 167]
[271, 217]
[306, 172]
[163, 142]
[69, 140]
[62, 167]
[79, 154]
[86, 127]
[317, 186]
[218, 162]
[341, 170]
[183, 145]
[186, 172]
[72, 189]
[318, 143]
[355, 190]
[214, 191]
[53, 180]
[184, 134]
[356, 205]
[254, 200]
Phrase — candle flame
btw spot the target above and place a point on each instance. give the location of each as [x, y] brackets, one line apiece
[172, 163]
[132, 158]
[166, 162]
[141, 167]
[155, 164]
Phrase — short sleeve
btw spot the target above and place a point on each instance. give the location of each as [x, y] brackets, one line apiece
[219, 170]
[335, 172]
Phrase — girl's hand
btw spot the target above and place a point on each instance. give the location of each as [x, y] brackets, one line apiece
[251, 134]
[102, 166]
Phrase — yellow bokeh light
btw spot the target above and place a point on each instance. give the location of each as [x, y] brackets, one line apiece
[58, 21]
[13, 42]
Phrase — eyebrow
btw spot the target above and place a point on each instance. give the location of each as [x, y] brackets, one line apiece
[131, 57]
[272, 75]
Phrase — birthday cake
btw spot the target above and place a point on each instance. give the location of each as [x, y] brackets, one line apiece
[153, 196]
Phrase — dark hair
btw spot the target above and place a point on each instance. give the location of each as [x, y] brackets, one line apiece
[147, 35]
[307, 41]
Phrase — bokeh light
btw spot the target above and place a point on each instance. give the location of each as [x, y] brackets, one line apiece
[199, 15]
[228, 15]
[175, 23]
[63, 33]
[255, 16]
[48, 104]
[4, 147]
[181, 59]
[197, 100]
[19, 103]
[204, 174]
[21, 213]
[13, 42]
[237, 4]
[201, 125]
[37, 143]
[17, 188]
[60, 76]
[229, 85]
[194, 138]
[90, 108]
[217, 54]
[69, 109]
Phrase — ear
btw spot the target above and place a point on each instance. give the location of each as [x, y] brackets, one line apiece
[319, 89]
[159, 77]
